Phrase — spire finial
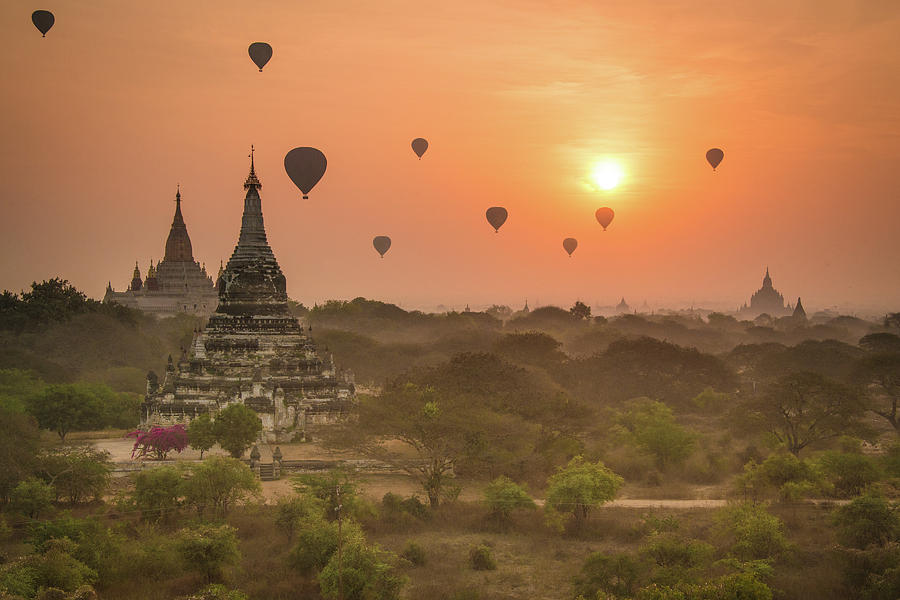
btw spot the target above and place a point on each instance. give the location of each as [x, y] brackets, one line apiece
[252, 179]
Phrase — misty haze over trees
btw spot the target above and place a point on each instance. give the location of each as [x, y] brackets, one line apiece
[496, 417]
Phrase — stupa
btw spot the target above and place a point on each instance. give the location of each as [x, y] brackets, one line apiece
[252, 350]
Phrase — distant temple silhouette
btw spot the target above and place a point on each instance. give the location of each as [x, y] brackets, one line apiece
[177, 284]
[767, 300]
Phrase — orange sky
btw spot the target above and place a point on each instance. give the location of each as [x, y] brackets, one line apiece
[518, 100]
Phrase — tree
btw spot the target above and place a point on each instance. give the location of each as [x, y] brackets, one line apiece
[292, 511]
[879, 374]
[580, 310]
[19, 437]
[750, 532]
[76, 473]
[57, 568]
[613, 575]
[16, 386]
[805, 408]
[64, 408]
[335, 491]
[218, 483]
[581, 485]
[202, 434]
[651, 426]
[157, 492]
[32, 497]
[236, 428]
[208, 548]
[362, 573]
[503, 496]
[869, 520]
[159, 441]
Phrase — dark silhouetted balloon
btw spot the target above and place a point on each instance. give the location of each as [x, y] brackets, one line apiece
[604, 216]
[569, 245]
[419, 146]
[382, 244]
[43, 20]
[714, 156]
[305, 167]
[260, 53]
[496, 216]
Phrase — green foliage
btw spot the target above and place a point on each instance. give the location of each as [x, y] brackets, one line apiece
[77, 473]
[32, 497]
[65, 408]
[750, 532]
[481, 558]
[849, 473]
[741, 586]
[19, 437]
[806, 408]
[325, 488]
[57, 568]
[503, 496]
[363, 573]
[236, 428]
[414, 553]
[608, 575]
[157, 492]
[402, 511]
[217, 591]
[218, 483]
[208, 548]
[292, 511]
[651, 426]
[18, 579]
[783, 475]
[317, 541]
[869, 520]
[16, 386]
[202, 434]
[677, 559]
[711, 401]
[581, 485]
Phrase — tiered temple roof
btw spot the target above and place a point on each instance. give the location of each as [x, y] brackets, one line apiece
[252, 351]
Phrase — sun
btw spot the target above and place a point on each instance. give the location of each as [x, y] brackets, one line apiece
[607, 175]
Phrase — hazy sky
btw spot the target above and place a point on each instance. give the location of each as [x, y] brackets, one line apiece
[518, 100]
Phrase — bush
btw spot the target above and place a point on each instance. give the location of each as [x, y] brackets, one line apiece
[217, 592]
[751, 532]
[365, 574]
[503, 496]
[481, 558]
[603, 575]
[414, 553]
[849, 473]
[292, 511]
[32, 497]
[870, 520]
[157, 492]
[317, 541]
[159, 441]
[579, 486]
[236, 428]
[208, 548]
[76, 473]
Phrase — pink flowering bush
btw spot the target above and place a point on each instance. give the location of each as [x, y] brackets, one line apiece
[159, 441]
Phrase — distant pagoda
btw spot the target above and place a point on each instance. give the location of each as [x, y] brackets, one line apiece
[252, 350]
[767, 300]
[177, 284]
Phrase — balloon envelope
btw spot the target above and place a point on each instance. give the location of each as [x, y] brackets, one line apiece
[305, 166]
[43, 20]
[260, 53]
[496, 216]
[569, 245]
[382, 244]
[604, 216]
[714, 156]
[419, 146]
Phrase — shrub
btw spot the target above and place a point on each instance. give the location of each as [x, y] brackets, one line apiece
[32, 497]
[157, 492]
[751, 532]
[292, 511]
[870, 520]
[317, 541]
[414, 553]
[849, 473]
[481, 558]
[503, 496]
[208, 548]
[581, 485]
[604, 575]
[217, 591]
[365, 574]
[159, 441]
[76, 473]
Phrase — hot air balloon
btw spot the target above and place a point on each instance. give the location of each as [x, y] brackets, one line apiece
[569, 245]
[43, 20]
[604, 216]
[496, 216]
[382, 244]
[260, 53]
[714, 156]
[419, 146]
[305, 166]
